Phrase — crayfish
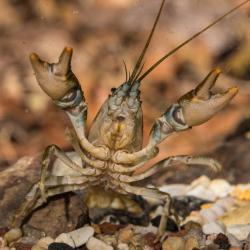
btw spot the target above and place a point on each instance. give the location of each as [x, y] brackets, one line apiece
[112, 151]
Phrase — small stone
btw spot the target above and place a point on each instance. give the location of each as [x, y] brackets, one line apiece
[22, 246]
[173, 243]
[96, 244]
[13, 234]
[210, 247]
[222, 241]
[233, 240]
[174, 189]
[77, 237]
[220, 187]
[194, 230]
[213, 228]
[218, 210]
[108, 228]
[59, 246]
[122, 246]
[191, 243]
[202, 192]
[125, 234]
[239, 231]
[240, 215]
[3, 231]
[43, 243]
[208, 215]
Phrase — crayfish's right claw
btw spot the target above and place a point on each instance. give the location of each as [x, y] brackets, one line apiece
[56, 79]
[200, 104]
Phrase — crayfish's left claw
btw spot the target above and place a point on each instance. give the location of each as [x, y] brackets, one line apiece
[200, 104]
[56, 79]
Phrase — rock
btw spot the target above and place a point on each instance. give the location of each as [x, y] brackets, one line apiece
[173, 243]
[208, 215]
[211, 247]
[220, 187]
[191, 243]
[174, 189]
[122, 246]
[125, 234]
[59, 246]
[22, 246]
[218, 210]
[233, 240]
[194, 230]
[2, 242]
[109, 228]
[222, 241]
[202, 192]
[76, 238]
[239, 231]
[238, 216]
[13, 235]
[226, 203]
[95, 244]
[213, 228]
[43, 243]
[247, 243]
[145, 230]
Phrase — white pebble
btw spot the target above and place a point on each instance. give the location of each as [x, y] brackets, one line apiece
[220, 187]
[96, 244]
[202, 192]
[123, 246]
[213, 228]
[208, 215]
[77, 237]
[218, 209]
[239, 231]
[233, 240]
[174, 189]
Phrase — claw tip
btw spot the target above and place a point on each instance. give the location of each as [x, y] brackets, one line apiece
[234, 90]
[217, 71]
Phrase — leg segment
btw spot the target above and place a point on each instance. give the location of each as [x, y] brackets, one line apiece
[188, 160]
[155, 194]
[53, 150]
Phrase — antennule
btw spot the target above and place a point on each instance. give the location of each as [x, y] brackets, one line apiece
[190, 39]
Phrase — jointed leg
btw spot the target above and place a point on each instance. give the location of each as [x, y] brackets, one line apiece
[53, 150]
[155, 194]
[34, 200]
[188, 160]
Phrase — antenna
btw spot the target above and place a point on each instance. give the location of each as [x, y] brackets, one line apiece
[139, 61]
[189, 39]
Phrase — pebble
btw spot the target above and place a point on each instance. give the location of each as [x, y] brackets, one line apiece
[191, 243]
[122, 246]
[221, 188]
[233, 240]
[96, 244]
[174, 189]
[202, 192]
[13, 235]
[43, 243]
[222, 241]
[213, 228]
[76, 238]
[239, 231]
[208, 215]
[59, 246]
[173, 243]
[125, 234]
[238, 216]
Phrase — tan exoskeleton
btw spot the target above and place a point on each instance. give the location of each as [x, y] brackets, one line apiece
[112, 151]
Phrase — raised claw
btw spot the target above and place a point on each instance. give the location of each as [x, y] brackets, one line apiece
[200, 104]
[56, 79]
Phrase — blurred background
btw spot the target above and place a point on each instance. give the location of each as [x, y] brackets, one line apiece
[102, 34]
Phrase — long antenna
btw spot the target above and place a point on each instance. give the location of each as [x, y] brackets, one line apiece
[139, 61]
[189, 39]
